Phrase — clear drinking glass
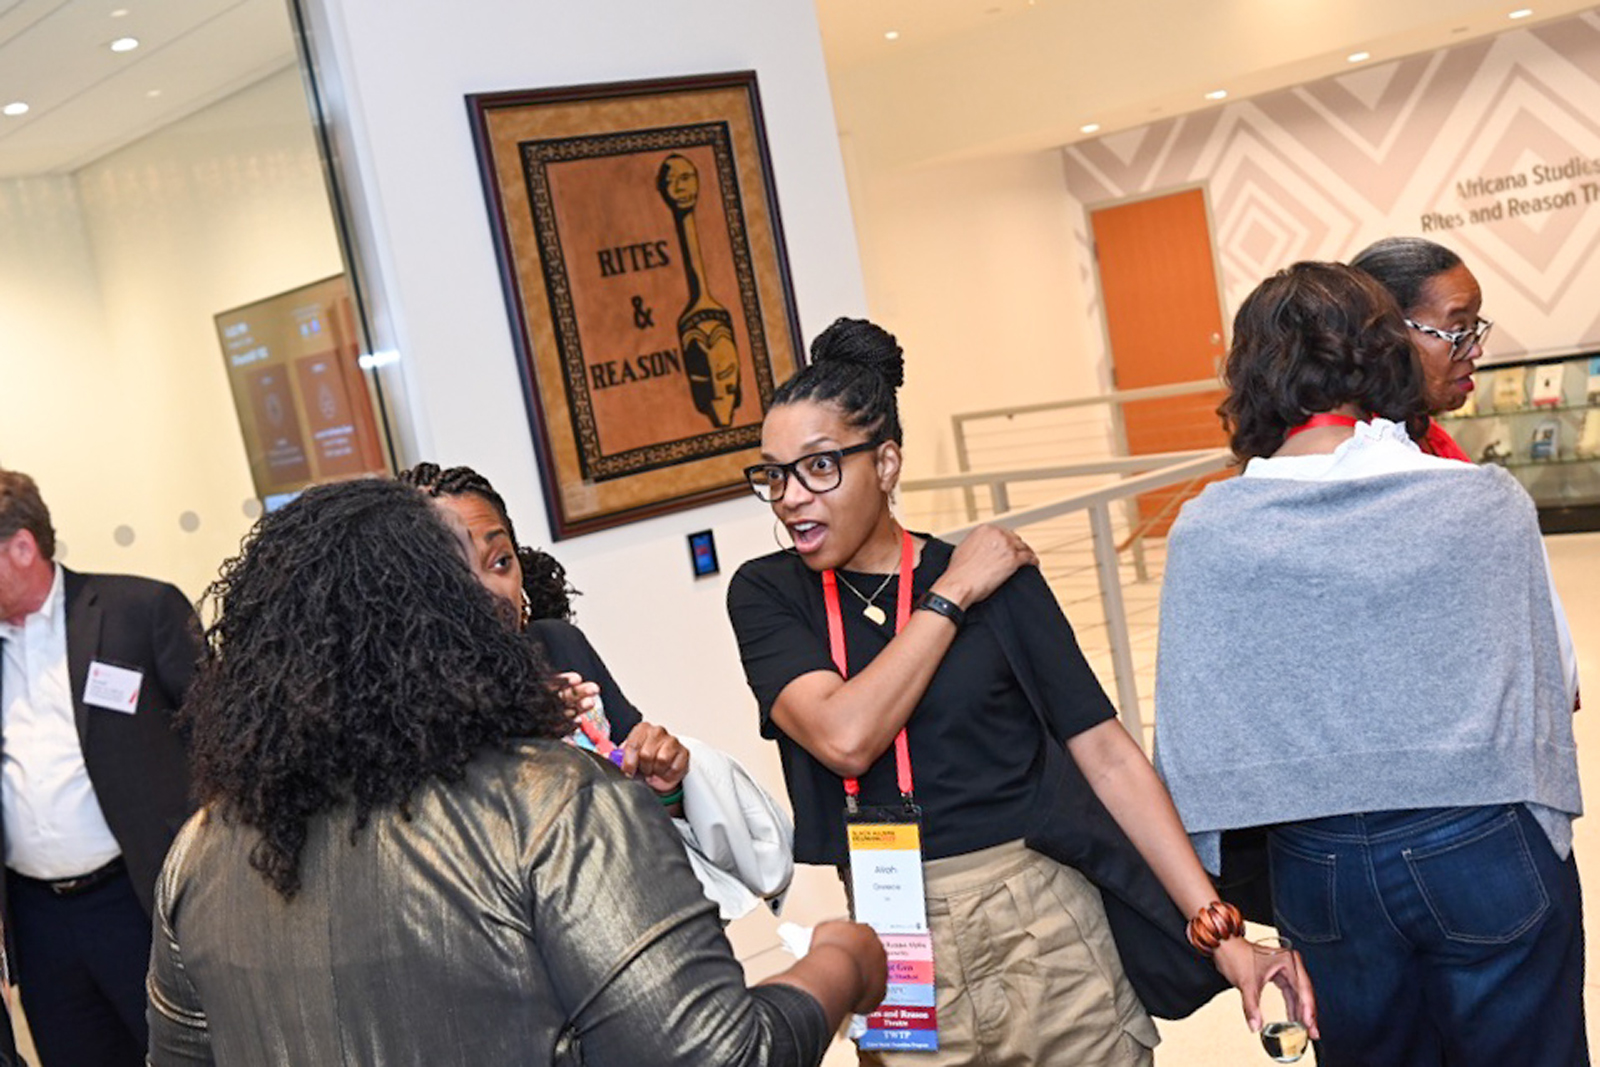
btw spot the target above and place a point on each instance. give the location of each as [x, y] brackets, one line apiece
[1283, 1034]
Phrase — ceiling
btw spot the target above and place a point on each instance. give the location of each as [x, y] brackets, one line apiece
[964, 78]
[853, 30]
[86, 101]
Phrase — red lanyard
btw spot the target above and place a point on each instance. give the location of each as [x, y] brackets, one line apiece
[1325, 418]
[902, 615]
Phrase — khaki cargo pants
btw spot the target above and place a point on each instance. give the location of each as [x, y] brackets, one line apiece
[1025, 971]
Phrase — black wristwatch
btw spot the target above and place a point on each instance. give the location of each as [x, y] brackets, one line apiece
[931, 601]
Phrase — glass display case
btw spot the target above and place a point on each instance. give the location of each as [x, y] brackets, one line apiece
[1540, 419]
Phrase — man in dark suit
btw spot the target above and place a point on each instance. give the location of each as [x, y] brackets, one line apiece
[93, 782]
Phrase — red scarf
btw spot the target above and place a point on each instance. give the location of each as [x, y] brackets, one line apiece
[1436, 442]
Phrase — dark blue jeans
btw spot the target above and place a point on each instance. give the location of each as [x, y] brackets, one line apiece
[1448, 936]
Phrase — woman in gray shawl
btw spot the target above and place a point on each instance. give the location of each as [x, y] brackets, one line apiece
[1358, 649]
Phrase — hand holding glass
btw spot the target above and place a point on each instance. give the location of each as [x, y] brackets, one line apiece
[1278, 965]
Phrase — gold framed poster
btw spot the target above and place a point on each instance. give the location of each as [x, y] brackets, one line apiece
[643, 264]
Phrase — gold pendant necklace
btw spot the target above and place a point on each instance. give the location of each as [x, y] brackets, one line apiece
[874, 614]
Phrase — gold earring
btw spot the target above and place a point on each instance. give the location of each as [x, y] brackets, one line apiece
[527, 610]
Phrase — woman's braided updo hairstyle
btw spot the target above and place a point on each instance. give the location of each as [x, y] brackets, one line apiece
[856, 366]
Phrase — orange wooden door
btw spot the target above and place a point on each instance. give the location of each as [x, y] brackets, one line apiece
[1158, 283]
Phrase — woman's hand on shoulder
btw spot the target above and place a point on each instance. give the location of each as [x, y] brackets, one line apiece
[982, 563]
[657, 757]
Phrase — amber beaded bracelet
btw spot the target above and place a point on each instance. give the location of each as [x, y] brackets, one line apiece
[1214, 924]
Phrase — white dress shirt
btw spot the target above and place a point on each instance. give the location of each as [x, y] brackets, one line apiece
[53, 822]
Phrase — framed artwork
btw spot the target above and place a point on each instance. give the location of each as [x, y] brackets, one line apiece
[643, 264]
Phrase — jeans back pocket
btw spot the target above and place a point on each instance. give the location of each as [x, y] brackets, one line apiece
[1305, 886]
[1482, 887]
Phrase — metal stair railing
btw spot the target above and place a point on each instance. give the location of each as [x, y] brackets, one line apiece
[1141, 475]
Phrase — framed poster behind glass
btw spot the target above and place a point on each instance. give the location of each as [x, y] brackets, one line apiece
[642, 259]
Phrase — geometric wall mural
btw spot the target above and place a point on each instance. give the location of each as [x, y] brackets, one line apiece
[1491, 148]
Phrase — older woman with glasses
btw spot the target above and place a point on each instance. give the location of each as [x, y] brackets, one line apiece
[1441, 302]
[901, 674]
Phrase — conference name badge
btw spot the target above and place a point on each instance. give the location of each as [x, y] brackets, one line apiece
[113, 688]
[888, 895]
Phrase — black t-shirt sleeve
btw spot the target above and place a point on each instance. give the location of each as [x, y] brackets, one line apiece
[569, 650]
[1065, 685]
[777, 641]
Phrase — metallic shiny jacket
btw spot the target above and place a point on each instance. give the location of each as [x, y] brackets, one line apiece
[541, 911]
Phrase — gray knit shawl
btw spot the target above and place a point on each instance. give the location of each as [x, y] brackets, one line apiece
[1362, 645]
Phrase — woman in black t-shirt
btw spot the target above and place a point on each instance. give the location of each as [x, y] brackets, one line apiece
[1024, 965]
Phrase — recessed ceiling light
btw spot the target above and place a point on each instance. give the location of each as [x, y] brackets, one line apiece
[1520, 13]
[120, 12]
[1090, 127]
[892, 35]
[1217, 94]
[152, 93]
[15, 108]
[125, 44]
[1359, 57]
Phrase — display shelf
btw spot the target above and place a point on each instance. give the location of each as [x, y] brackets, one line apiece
[1566, 485]
[1512, 412]
[1519, 464]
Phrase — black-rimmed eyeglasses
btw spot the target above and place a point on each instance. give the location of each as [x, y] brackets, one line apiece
[1461, 341]
[819, 472]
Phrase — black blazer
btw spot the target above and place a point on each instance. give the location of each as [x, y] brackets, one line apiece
[137, 762]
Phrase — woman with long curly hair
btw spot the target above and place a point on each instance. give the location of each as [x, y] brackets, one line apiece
[397, 860]
[1358, 652]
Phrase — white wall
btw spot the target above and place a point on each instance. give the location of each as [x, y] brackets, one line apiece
[115, 396]
[400, 72]
[974, 265]
[53, 345]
